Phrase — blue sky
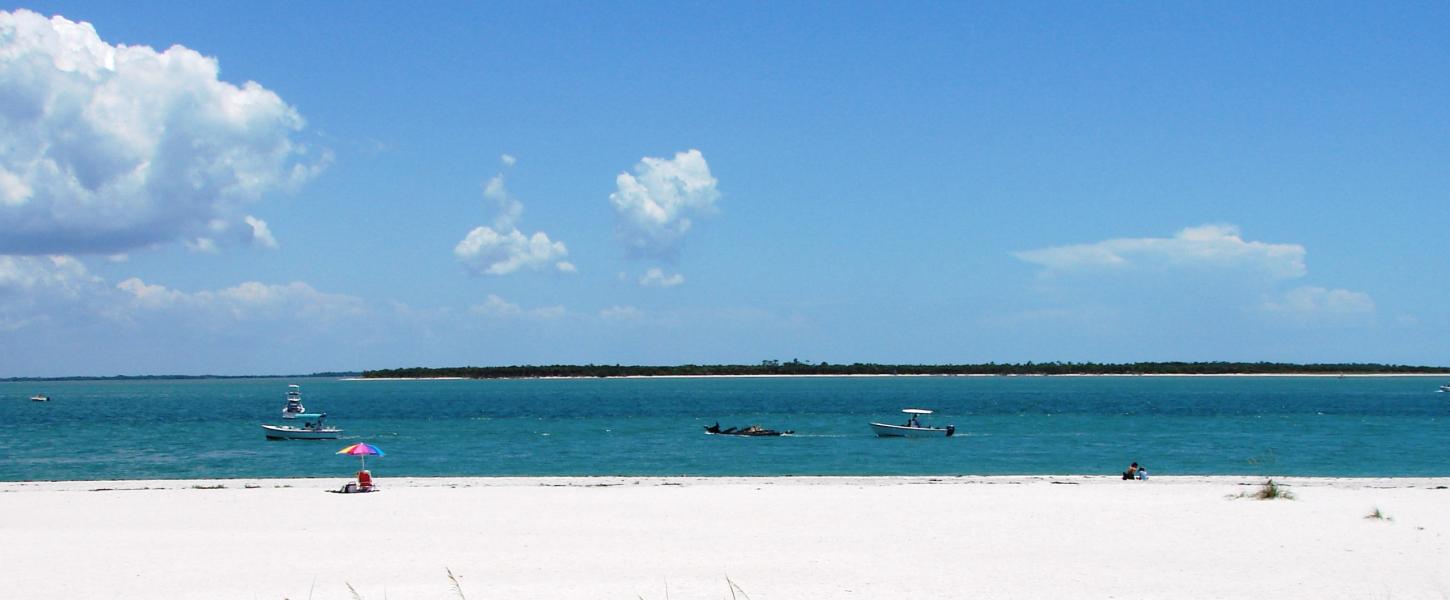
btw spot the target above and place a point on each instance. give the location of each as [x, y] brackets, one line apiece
[280, 188]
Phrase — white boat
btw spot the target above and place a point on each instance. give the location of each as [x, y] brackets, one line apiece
[40, 398]
[314, 427]
[1445, 388]
[293, 407]
[913, 426]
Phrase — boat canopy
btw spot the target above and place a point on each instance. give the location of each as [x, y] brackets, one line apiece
[916, 411]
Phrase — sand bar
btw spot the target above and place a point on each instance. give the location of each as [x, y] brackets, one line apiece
[680, 538]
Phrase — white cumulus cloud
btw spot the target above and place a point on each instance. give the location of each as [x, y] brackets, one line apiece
[1218, 246]
[501, 249]
[656, 277]
[261, 234]
[655, 206]
[106, 148]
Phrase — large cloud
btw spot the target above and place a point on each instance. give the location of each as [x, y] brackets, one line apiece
[656, 205]
[1204, 246]
[108, 148]
[501, 249]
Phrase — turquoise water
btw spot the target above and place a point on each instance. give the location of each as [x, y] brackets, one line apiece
[1390, 426]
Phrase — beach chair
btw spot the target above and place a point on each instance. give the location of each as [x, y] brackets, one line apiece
[364, 481]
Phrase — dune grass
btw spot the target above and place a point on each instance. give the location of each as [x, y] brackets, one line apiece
[1268, 491]
[1377, 515]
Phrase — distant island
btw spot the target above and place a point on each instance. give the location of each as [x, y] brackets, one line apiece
[796, 367]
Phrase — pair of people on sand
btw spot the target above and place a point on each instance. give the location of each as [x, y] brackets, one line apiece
[1135, 472]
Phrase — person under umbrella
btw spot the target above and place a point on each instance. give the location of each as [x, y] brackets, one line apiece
[364, 477]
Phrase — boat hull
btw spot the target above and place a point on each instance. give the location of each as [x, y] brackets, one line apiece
[884, 430]
[276, 432]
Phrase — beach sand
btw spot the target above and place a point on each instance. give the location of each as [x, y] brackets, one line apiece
[680, 538]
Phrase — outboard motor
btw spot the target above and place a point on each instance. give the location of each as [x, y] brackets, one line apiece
[951, 430]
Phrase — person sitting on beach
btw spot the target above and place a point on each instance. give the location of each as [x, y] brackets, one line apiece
[1132, 472]
[1142, 473]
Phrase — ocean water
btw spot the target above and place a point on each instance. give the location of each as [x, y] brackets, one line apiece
[1311, 426]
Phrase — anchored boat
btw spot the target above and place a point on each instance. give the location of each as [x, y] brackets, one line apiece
[314, 427]
[913, 426]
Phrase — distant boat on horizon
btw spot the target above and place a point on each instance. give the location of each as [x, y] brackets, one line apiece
[40, 398]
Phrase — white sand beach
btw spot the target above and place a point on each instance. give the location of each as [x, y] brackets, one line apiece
[680, 538]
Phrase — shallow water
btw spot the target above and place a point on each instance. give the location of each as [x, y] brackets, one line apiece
[1310, 426]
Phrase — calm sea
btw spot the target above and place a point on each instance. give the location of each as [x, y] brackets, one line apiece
[1373, 426]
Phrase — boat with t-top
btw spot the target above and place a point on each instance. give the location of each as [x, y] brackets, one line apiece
[314, 427]
[913, 426]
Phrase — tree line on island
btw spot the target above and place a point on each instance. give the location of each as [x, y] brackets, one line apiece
[797, 367]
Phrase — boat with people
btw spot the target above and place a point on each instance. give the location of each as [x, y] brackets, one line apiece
[40, 398]
[293, 407]
[751, 431]
[913, 426]
[314, 427]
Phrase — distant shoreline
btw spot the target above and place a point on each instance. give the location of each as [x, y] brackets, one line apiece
[797, 368]
[776, 369]
[975, 375]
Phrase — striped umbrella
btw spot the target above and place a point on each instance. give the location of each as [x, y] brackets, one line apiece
[363, 451]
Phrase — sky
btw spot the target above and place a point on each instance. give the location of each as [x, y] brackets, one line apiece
[281, 188]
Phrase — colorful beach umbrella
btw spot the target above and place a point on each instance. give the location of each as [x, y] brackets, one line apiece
[362, 450]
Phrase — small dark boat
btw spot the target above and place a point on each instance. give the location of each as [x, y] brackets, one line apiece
[751, 431]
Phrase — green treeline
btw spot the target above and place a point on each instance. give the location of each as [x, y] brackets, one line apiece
[795, 367]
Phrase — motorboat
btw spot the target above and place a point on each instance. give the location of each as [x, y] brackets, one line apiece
[913, 426]
[293, 407]
[1443, 388]
[40, 398]
[314, 427]
[751, 431]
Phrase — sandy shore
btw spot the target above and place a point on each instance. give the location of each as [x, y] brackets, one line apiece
[680, 538]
